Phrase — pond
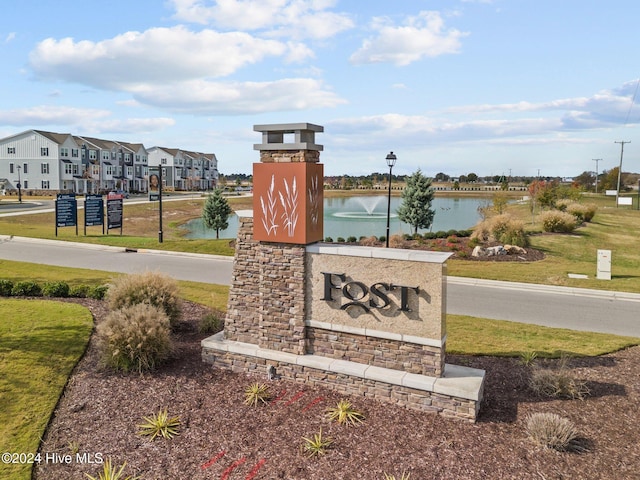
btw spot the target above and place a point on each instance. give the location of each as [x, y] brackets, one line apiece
[359, 216]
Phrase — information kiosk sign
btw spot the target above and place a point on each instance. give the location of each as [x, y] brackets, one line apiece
[114, 211]
[66, 211]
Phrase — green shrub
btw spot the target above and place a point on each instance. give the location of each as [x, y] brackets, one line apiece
[429, 235]
[135, 338]
[212, 322]
[55, 289]
[6, 286]
[316, 446]
[340, 240]
[328, 240]
[26, 289]
[382, 238]
[557, 221]
[551, 430]
[79, 291]
[98, 292]
[153, 288]
[441, 234]
[352, 239]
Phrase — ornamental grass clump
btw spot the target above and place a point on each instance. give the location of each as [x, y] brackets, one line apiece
[551, 431]
[135, 338]
[555, 221]
[557, 384]
[582, 212]
[152, 288]
[110, 472]
[501, 228]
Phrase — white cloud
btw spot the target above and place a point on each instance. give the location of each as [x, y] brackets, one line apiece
[202, 97]
[47, 114]
[420, 36]
[85, 119]
[292, 18]
[156, 56]
[10, 37]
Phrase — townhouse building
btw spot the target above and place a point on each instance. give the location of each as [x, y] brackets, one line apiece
[47, 162]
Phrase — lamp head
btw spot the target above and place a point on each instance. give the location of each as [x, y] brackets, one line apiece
[391, 159]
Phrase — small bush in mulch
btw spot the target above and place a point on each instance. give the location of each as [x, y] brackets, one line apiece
[56, 289]
[6, 286]
[551, 430]
[135, 338]
[212, 322]
[26, 289]
[153, 288]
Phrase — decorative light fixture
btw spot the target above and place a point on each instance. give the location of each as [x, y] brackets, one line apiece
[391, 161]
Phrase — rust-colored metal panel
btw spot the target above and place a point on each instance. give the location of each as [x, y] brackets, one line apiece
[288, 202]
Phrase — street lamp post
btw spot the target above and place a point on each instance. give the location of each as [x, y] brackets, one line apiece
[391, 161]
[19, 185]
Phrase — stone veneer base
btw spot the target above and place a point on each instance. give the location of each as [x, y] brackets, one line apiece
[456, 394]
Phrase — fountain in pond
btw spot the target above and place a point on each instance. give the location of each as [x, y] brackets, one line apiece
[368, 211]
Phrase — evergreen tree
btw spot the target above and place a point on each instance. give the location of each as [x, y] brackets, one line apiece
[216, 212]
[416, 202]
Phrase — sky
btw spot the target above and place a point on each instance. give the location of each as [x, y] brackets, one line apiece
[492, 87]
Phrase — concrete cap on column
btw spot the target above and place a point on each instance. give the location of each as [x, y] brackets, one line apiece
[273, 136]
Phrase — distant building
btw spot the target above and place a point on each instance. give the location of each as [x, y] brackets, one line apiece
[47, 162]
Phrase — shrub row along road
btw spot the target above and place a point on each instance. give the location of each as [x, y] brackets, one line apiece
[573, 308]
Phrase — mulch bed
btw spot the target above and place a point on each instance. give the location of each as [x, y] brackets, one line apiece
[221, 438]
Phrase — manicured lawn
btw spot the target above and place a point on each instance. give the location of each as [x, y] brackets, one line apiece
[480, 336]
[40, 343]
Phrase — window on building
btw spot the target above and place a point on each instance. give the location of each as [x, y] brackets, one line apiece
[93, 155]
[11, 150]
[68, 168]
[45, 184]
[11, 167]
[75, 169]
[44, 151]
[25, 168]
[25, 184]
[105, 155]
[44, 168]
[64, 152]
[163, 161]
[74, 153]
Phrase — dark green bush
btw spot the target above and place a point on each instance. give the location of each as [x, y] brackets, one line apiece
[26, 289]
[382, 238]
[6, 286]
[452, 233]
[56, 289]
[328, 240]
[429, 235]
[79, 291]
[98, 292]
[352, 239]
[340, 240]
[441, 234]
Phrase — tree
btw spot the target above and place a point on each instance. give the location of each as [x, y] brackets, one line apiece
[472, 177]
[416, 202]
[216, 212]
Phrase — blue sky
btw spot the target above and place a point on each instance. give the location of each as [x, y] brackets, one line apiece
[517, 87]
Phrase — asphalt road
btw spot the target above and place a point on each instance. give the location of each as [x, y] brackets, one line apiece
[573, 308]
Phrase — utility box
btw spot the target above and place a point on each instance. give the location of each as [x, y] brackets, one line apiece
[604, 265]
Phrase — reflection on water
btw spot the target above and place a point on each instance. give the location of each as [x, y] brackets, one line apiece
[367, 216]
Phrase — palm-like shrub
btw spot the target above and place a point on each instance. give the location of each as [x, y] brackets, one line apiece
[256, 393]
[135, 338]
[152, 288]
[159, 425]
[551, 430]
[344, 413]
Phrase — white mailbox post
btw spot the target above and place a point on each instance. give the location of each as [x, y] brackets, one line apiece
[604, 265]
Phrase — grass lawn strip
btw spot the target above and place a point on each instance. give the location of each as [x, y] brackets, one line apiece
[40, 343]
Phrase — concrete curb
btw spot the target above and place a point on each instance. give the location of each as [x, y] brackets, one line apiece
[533, 287]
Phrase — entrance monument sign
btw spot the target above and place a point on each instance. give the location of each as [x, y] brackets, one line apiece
[360, 320]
